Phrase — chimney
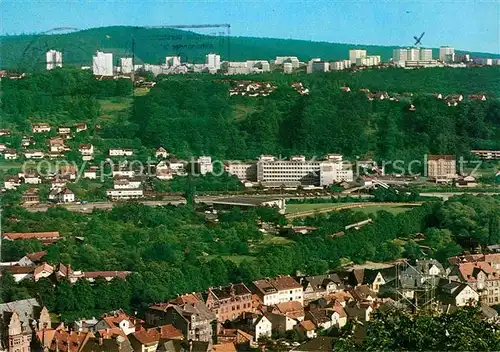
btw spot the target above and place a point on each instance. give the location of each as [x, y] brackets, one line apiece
[100, 340]
[190, 345]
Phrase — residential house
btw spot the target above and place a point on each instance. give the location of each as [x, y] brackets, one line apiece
[11, 182]
[40, 127]
[31, 259]
[30, 177]
[456, 97]
[30, 197]
[236, 337]
[3, 146]
[56, 145]
[169, 332]
[466, 182]
[10, 154]
[278, 290]
[327, 317]
[87, 151]
[64, 131]
[161, 153]
[363, 293]
[320, 286]
[68, 172]
[65, 196]
[308, 328]
[319, 344]
[19, 320]
[118, 319]
[91, 276]
[258, 325]
[91, 173]
[44, 237]
[116, 194]
[122, 171]
[457, 293]
[80, 127]
[358, 311]
[163, 171]
[120, 152]
[124, 182]
[374, 279]
[34, 154]
[291, 309]
[229, 302]
[193, 319]
[57, 184]
[482, 276]
[145, 340]
[4, 132]
[26, 141]
[43, 270]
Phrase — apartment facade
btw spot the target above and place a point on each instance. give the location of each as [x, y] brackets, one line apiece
[243, 171]
[279, 290]
[441, 168]
[299, 171]
[229, 302]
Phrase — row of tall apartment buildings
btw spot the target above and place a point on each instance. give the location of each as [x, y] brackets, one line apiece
[296, 171]
[104, 65]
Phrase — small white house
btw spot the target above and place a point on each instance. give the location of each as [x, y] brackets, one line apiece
[31, 178]
[63, 131]
[10, 154]
[120, 152]
[124, 193]
[87, 151]
[11, 182]
[90, 173]
[66, 196]
[263, 327]
[34, 154]
[161, 153]
[40, 127]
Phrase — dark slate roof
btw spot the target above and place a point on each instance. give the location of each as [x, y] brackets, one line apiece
[319, 344]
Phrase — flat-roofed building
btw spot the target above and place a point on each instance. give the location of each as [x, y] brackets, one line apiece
[243, 171]
[487, 154]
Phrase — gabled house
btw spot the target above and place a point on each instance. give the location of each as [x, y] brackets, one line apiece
[363, 293]
[145, 340]
[119, 319]
[43, 270]
[358, 311]
[91, 173]
[457, 293]
[320, 286]
[292, 309]
[68, 172]
[161, 153]
[30, 177]
[4, 132]
[30, 197]
[64, 131]
[19, 273]
[308, 328]
[120, 152]
[56, 145]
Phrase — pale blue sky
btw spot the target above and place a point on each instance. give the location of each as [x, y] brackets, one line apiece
[464, 24]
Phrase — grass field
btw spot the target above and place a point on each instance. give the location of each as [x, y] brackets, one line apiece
[236, 259]
[298, 208]
[368, 209]
[111, 105]
[393, 209]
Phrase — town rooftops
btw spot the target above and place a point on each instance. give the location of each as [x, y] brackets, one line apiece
[230, 290]
[279, 283]
[169, 331]
[307, 325]
[95, 274]
[292, 309]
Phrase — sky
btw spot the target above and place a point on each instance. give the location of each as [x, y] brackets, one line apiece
[472, 25]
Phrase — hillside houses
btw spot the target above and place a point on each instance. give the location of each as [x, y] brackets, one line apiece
[41, 127]
[251, 88]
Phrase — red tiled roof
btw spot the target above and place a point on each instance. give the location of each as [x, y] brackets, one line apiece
[308, 325]
[36, 256]
[147, 336]
[285, 283]
[95, 274]
[31, 235]
[292, 309]
[43, 267]
[169, 332]
[224, 347]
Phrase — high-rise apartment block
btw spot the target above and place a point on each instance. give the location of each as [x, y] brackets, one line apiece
[54, 59]
[446, 54]
[102, 64]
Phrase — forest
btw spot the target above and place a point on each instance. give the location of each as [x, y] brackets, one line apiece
[173, 250]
